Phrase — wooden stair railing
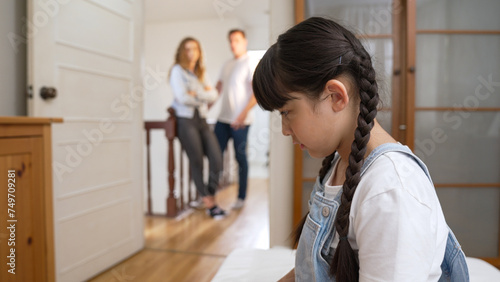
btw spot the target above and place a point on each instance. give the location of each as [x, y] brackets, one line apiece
[175, 205]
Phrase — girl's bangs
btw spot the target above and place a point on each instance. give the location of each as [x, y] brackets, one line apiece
[269, 90]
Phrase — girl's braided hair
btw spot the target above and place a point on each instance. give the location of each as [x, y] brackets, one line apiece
[303, 60]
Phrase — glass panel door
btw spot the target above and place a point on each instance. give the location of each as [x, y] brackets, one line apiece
[457, 115]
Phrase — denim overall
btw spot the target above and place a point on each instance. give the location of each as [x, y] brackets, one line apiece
[313, 252]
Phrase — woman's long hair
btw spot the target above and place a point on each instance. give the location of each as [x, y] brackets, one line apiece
[182, 59]
[303, 60]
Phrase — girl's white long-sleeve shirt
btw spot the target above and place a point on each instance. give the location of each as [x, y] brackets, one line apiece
[182, 81]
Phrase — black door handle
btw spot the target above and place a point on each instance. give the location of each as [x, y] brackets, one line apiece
[48, 93]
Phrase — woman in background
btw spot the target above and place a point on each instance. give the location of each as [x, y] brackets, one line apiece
[192, 94]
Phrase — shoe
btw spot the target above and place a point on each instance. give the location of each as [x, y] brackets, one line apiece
[216, 213]
[238, 204]
[197, 204]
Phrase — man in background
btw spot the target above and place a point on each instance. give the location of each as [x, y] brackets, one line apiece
[235, 87]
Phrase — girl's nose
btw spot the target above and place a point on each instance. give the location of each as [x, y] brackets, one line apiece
[285, 129]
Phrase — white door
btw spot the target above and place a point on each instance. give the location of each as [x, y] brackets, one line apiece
[90, 52]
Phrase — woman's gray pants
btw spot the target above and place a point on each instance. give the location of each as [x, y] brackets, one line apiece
[199, 140]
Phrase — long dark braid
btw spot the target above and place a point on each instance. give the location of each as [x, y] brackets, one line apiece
[344, 263]
[303, 60]
[325, 165]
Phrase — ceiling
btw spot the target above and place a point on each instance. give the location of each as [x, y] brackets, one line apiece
[251, 13]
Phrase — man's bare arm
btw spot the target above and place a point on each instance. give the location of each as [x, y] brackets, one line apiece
[240, 120]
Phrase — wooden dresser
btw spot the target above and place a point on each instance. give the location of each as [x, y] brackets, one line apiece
[26, 219]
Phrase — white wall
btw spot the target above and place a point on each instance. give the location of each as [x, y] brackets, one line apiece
[13, 59]
[161, 41]
[281, 148]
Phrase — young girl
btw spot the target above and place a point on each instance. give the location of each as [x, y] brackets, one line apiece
[192, 93]
[373, 213]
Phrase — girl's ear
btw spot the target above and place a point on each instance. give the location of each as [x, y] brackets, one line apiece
[338, 94]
